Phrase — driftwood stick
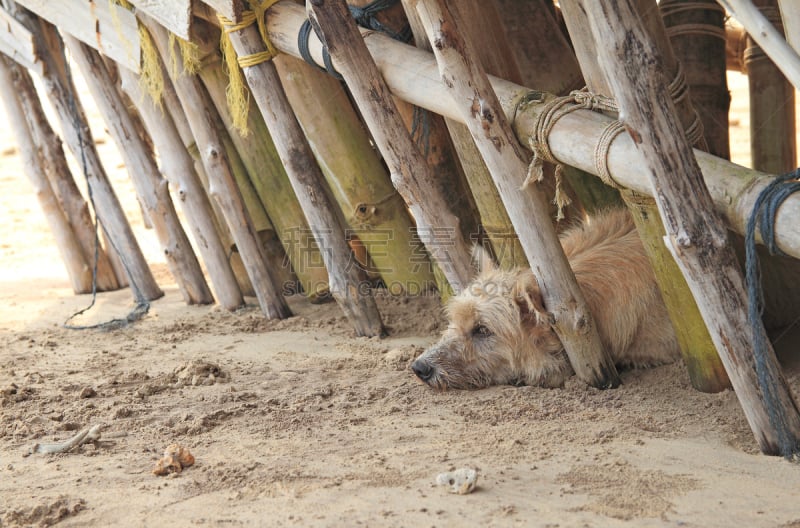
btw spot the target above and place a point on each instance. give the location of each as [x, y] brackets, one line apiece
[150, 186]
[696, 237]
[62, 94]
[524, 201]
[438, 228]
[222, 184]
[347, 284]
[178, 167]
[84, 436]
[78, 269]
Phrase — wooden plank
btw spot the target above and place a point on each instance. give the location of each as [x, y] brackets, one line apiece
[115, 33]
[17, 42]
[228, 8]
[175, 15]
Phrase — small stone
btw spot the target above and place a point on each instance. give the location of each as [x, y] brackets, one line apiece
[461, 481]
[87, 392]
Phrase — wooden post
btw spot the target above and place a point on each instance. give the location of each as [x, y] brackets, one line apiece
[526, 204]
[706, 371]
[62, 94]
[347, 284]
[57, 171]
[178, 167]
[358, 179]
[438, 228]
[222, 184]
[150, 186]
[79, 271]
[696, 237]
[773, 144]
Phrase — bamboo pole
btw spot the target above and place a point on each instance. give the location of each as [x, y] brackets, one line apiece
[766, 36]
[62, 94]
[413, 75]
[178, 167]
[348, 285]
[438, 228]
[526, 204]
[63, 185]
[222, 184]
[696, 237]
[773, 144]
[360, 183]
[78, 270]
[266, 176]
[706, 371]
[150, 186]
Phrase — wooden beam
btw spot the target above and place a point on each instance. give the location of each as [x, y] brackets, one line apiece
[17, 43]
[175, 15]
[111, 30]
[231, 9]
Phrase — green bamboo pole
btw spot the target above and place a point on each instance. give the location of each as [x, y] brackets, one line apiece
[360, 184]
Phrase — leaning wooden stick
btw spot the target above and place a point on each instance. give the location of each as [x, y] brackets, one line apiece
[347, 285]
[438, 228]
[150, 185]
[525, 202]
[84, 436]
[178, 167]
[695, 234]
[78, 268]
[223, 186]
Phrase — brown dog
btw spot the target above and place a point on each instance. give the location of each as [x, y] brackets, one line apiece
[498, 332]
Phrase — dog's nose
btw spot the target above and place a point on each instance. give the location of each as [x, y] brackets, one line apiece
[422, 369]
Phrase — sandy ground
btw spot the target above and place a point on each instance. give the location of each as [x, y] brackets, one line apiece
[303, 424]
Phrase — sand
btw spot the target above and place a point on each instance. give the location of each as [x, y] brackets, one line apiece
[297, 422]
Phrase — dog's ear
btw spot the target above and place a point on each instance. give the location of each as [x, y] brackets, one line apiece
[482, 260]
[529, 298]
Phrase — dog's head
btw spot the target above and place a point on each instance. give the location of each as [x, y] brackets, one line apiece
[499, 333]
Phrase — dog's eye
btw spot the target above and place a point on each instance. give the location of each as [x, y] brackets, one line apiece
[481, 331]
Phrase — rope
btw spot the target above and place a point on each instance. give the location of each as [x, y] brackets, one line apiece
[365, 17]
[602, 149]
[763, 217]
[669, 8]
[303, 37]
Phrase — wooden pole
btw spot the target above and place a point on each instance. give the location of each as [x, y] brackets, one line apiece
[773, 144]
[358, 179]
[57, 171]
[347, 284]
[62, 94]
[413, 75]
[150, 186]
[706, 371]
[438, 228]
[222, 184]
[79, 271]
[696, 237]
[178, 167]
[525, 202]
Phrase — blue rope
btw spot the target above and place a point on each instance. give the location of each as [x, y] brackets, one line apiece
[763, 217]
[302, 46]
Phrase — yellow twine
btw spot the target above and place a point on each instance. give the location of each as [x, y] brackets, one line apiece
[190, 56]
[236, 93]
[151, 76]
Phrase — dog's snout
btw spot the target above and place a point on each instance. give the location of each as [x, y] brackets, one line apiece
[422, 369]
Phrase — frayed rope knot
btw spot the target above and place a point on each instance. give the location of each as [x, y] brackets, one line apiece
[763, 216]
[554, 110]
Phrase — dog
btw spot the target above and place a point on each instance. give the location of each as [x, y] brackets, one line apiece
[499, 331]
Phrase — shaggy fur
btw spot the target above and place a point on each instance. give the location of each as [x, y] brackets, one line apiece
[499, 331]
